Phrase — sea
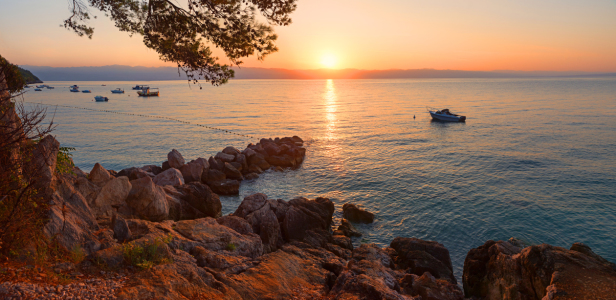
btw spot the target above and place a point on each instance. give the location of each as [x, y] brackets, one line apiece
[535, 159]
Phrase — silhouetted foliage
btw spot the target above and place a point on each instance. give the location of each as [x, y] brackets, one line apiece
[182, 34]
[22, 208]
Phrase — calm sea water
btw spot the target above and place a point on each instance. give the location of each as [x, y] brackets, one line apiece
[535, 160]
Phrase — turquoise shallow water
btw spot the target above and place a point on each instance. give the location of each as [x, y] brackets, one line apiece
[535, 159]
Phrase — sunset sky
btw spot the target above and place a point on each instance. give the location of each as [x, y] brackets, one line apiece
[558, 35]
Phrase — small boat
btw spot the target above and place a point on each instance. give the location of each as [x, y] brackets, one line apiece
[74, 86]
[139, 87]
[74, 90]
[37, 89]
[445, 115]
[103, 85]
[101, 99]
[118, 91]
[50, 87]
[27, 86]
[148, 92]
[41, 86]
[86, 91]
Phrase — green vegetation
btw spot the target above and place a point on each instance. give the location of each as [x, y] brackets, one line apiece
[147, 254]
[230, 247]
[64, 163]
[28, 76]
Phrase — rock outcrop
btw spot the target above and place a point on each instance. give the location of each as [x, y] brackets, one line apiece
[353, 213]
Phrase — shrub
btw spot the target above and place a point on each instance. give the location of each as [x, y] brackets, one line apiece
[146, 254]
[64, 163]
[230, 247]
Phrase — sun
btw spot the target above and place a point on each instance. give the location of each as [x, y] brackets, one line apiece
[328, 61]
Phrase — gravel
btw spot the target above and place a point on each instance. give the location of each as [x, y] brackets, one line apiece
[95, 288]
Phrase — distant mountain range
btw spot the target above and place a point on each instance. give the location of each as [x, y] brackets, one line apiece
[127, 73]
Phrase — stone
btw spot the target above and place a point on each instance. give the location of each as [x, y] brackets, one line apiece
[427, 286]
[231, 172]
[248, 153]
[499, 270]
[231, 151]
[343, 241]
[154, 169]
[298, 220]
[348, 229]
[225, 187]
[421, 256]
[265, 224]
[224, 157]
[212, 175]
[112, 195]
[148, 200]
[355, 214]
[243, 161]
[99, 175]
[251, 176]
[216, 237]
[121, 232]
[201, 197]
[254, 169]
[236, 223]
[193, 170]
[259, 161]
[171, 177]
[271, 149]
[297, 139]
[175, 159]
[284, 161]
[180, 209]
[135, 173]
[250, 204]
[216, 164]
[165, 166]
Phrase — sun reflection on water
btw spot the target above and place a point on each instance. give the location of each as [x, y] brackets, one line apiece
[330, 104]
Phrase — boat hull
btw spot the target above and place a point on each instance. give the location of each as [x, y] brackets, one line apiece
[447, 118]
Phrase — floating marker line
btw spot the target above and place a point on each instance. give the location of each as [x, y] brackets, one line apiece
[145, 116]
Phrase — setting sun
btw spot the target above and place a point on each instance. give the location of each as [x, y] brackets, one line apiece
[328, 61]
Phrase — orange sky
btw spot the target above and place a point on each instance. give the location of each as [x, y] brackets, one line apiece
[556, 35]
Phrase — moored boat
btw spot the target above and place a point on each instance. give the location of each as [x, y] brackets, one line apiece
[101, 99]
[74, 90]
[118, 91]
[86, 91]
[148, 92]
[445, 115]
[139, 87]
[37, 89]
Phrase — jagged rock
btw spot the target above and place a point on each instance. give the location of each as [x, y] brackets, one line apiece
[419, 256]
[175, 159]
[250, 204]
[148, 200]
[231, 151]
[343, 241]
[216, 237]
[165, 166]
[121, 232]
[355, 214]
[271, 149]
[243, 161]
[231, 172]
[265, 224]
[154, 169]
[193, 170]
[259, 161]
[249, 153]
[224, 157]
[99, 175]
[201, 197]
[180, 209]
[216, 164]
[236, 223]
[254, 169]
[219, 260]
[212, 175]
[285, 161]
[225, 187]
[297, 139]
[169, 177]
[279, 207]
[112, 196]
[499, 270]
[251, 176]
[348, 229]
[134, 173]
[304, 215]
[428, 287]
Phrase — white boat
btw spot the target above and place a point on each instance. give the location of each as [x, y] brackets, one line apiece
[86, 91]
[74, 90]
[118, 91]
[101, 99]
[445, 115]
[41, 86]
[74, 86]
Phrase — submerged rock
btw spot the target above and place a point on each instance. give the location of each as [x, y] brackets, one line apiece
[355, 214]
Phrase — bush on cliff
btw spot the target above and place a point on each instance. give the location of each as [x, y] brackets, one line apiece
[147, 254]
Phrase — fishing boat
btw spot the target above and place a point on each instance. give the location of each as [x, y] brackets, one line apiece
[139, 87]
[445, 115]
[86, 91]
[148, 92]
[101, 99]
[118, 91]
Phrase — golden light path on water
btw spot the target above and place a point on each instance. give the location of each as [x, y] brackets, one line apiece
[330, 102]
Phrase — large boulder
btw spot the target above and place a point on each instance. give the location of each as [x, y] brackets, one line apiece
[213, 236]
[231, 151]
[347, 229]
[236, 223]
[121, 232]
[180, 209]
[148, 200]
[175, 159]
[224, 157]
[201, 197]
[216, 163]
[303, 215]
[193, 170]
[154, 169]
[500, 270]
[212, 175]
[353, 213]
[259, 161]
[418, 256]
[265, 224]
[99, 175]
[282, 161]
[250, 204]
[112, 196]
[171, 177]
[232, 172]
[225, 187]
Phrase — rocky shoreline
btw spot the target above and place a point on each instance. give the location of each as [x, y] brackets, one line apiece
[268, 248]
